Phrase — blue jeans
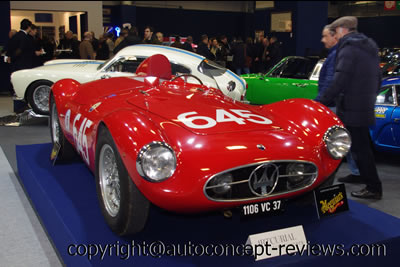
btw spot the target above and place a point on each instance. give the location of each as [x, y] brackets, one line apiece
[352, 164]
[350, 161]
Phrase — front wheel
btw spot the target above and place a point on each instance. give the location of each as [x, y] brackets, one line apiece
[124, 207]
[67, 151]
[38, 96]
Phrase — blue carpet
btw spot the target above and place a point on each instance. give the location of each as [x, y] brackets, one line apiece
[65, 198]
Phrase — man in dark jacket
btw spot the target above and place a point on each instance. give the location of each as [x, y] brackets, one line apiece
[131, 39]
[355, 85]
[328, 68]
[203, 48]
[21, 48]
[274, 52]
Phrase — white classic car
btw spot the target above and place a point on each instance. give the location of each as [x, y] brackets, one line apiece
[33, 85]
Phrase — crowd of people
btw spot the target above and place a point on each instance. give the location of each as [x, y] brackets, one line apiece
[26, 49]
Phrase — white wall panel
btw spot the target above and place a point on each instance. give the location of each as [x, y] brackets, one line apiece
[93, 8]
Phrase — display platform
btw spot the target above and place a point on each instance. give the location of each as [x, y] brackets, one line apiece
[64, 197]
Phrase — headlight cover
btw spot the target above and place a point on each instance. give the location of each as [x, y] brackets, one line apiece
[338, 141]
[156, 162]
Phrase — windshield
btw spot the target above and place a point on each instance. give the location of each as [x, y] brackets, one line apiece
[295, 68]
[103, 64]
[211, 69]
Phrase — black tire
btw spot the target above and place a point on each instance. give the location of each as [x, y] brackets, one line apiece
[67, 151]
[131, 216]
[39, 106]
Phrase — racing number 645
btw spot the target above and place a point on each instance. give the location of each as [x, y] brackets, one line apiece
[221, 116]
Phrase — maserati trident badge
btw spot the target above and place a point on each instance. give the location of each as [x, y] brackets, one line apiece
[263, 179]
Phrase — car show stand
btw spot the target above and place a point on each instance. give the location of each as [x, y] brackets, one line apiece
[64, 197]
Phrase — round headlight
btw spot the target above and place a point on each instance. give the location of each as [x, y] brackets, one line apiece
[222, 183]
[338, 141]
[156, 162]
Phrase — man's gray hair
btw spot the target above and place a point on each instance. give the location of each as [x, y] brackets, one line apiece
[331, 30]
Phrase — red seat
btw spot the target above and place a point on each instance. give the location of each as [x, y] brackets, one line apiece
[157, 66]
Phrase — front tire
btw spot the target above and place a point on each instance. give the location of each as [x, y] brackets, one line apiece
[67, 151]
[124, 207]
[38, 96]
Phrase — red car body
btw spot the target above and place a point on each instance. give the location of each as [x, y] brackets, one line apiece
[228, 135]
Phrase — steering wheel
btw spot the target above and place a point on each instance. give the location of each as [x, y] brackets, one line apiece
[186, 75]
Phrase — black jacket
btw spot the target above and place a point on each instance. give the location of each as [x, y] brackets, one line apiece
[21, 50]
[356, 81]
[275, 53]
[203, 50]
[129, 40]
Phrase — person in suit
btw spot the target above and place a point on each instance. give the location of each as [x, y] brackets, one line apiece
[21, 48]
[85, 48]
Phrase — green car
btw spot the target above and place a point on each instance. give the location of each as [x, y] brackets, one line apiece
[292, 77]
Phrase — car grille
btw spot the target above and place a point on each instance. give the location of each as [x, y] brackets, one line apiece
[260, 180]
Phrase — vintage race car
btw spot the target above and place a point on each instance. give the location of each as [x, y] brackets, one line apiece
[33, 85]
[385, 134]
[186, 147]
[292, 77]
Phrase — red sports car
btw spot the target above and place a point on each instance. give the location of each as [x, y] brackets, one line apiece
[185, 147]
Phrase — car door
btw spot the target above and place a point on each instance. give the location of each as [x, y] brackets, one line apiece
[396, 117]
[382, 131]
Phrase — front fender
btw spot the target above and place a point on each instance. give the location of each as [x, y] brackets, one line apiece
[64, 90]
[131, 130]
[309, 120]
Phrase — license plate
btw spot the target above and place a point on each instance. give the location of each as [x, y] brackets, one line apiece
[262, 208]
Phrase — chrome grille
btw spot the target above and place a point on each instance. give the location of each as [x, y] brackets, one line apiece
[261, 180]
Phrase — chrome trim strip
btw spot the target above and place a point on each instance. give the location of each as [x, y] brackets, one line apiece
[259, 197]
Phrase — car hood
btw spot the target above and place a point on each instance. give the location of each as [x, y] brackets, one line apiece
[204, 111]
[71, 65]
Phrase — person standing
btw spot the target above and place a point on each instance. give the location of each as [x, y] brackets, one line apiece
[85, 48]
[355, 86]
[325, 79]
[160, 38]
[110, 43]
[69, 43]
[177, 43]
[37, 46]
[21, 49]
[274, 52]
[239, 57]
[187, 45]
[149, 37]
[131, 39]
[203, 48]
[328, 68]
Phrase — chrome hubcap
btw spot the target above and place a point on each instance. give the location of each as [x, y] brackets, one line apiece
[109, 180]
[55, 124]
[41, 97]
